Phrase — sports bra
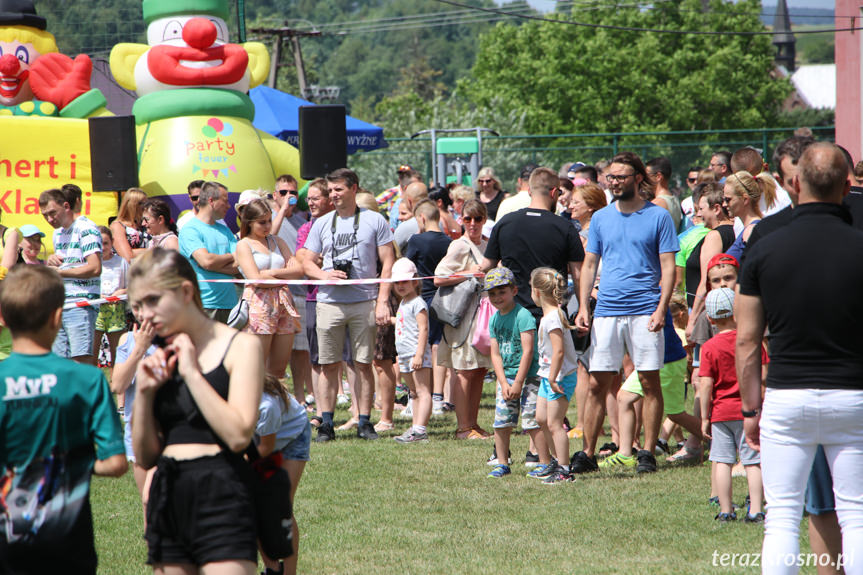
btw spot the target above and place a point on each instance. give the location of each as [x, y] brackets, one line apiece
[178, 414]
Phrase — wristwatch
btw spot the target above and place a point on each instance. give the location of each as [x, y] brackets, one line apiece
[752, 413]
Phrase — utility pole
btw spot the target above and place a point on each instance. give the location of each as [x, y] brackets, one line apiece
[279, 35]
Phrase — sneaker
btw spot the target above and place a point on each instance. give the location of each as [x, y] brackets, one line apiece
[662, 448]
[713, 501]
[407, 412]
[492, 460]
[325, 433]
[343, 399]
[757, 518]
[542, 471]
[437, 407]
[558, 476]
[412, 436]
[646, 462]
[366, 430]
[310, 399]
[617, 461]
[581, 463]
[531, 459]
[447, 406]
[726, 517]
[499, 471]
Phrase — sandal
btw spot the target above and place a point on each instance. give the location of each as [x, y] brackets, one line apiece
[348, 425]
[316, 420]
[485, 434]
[686, 455]
[608, 449]
[381, 426]
[470, 433]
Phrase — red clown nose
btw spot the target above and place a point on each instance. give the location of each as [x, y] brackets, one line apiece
[9, 65]
[199, 33]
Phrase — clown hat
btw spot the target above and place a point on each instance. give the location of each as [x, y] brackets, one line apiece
[155, 9]
[20, 13]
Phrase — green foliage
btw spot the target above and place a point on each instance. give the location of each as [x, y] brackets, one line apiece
[815, 48]
[81, 28]
[576, 79]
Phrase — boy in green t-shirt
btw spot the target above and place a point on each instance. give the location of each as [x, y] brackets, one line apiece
[513, 355]
[58, 425]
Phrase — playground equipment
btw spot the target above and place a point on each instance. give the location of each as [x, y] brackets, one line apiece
[456, 159]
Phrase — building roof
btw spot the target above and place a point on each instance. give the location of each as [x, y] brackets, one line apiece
[816, 85]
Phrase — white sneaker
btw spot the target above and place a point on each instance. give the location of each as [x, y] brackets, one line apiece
[310, 399]
[407, 412]
[343, 399]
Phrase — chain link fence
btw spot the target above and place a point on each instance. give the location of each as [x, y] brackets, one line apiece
[507, 154]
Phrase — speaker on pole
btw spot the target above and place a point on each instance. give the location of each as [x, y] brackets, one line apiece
[323, 140]
[113, 153]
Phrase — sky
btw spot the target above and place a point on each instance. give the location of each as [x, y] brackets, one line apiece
[546, 5]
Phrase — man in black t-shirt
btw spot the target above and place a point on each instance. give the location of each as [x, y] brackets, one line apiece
[801, 282]
[535, 237]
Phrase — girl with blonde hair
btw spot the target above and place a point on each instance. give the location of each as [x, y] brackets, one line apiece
[126, 229]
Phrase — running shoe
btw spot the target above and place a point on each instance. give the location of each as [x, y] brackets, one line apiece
[618, 461]
[499, 471]
[542, 471]
[531, 459]
[492, 460]
[558, 476]
[365, 430]
[437, 407]
[343, 399]
[726, 517]
[325, 433]
[756, 518]
[412, 436]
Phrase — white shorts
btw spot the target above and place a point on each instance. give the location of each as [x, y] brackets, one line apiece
[612, 336]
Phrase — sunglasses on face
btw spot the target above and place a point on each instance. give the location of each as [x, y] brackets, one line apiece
[485, 181]
[468, 219]
[286, 192]
[691, 180]
[194, 199]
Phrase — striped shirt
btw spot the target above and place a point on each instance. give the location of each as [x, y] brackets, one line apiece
[73, 245]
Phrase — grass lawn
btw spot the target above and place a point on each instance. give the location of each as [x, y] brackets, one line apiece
[381, 507]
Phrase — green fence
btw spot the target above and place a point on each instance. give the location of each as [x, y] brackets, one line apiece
[507, 154]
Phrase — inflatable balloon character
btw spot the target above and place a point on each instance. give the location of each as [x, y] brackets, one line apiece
[193, 115]
[35, 79]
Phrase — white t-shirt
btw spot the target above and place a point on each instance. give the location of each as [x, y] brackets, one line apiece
[114, 272]
[547, 324]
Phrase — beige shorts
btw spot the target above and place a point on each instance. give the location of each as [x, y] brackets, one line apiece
[332, 320]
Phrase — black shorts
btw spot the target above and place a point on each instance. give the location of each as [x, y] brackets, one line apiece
[201, 511]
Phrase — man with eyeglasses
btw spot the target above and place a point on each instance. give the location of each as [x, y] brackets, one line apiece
[720, 163]
[686, 204]
[636, 243]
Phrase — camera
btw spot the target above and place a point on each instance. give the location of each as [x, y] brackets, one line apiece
[343, 266]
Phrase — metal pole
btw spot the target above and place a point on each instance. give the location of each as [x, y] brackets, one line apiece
[241, 20]
[274, 62]
[298, 60]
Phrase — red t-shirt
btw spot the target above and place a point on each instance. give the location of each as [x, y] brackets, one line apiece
[717, 362]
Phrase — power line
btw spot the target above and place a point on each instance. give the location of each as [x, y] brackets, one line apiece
[640, 29]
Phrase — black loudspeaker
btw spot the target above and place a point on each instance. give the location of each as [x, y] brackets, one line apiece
[113, 153]
[323, 140]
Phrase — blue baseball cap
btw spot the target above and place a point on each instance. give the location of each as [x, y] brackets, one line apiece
[29, 230]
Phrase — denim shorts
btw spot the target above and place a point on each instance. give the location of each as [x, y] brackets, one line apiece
[298, 448]
[75, 338]
[506, 410]
[567, 384]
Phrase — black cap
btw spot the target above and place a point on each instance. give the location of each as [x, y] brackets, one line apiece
[20, 13]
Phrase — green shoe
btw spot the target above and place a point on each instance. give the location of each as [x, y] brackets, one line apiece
[618, 461]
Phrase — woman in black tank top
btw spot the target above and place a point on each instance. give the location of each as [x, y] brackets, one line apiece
[196, 406]
[719, 239]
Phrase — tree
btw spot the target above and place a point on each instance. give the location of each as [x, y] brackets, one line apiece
[576, 79]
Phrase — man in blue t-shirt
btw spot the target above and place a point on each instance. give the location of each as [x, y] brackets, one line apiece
[210, 247]
[58, 426]
[636, 242]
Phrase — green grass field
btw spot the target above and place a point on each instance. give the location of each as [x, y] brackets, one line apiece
[381, 507]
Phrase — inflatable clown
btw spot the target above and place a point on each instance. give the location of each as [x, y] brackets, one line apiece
[35, 79]
[193, 115]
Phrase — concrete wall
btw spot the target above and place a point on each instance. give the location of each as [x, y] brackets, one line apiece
[848, 77]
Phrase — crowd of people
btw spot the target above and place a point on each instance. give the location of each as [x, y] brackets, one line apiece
[594, 283]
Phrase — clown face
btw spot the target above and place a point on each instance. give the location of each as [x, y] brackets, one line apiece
[15, 61]
[191, 51]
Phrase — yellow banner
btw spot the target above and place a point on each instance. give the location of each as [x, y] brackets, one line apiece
[37, 154]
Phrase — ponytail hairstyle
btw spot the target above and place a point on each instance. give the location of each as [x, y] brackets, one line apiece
[745, 185]
[274, 387]
[551, 286]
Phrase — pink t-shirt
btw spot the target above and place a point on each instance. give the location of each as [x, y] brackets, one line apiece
[717, 362]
